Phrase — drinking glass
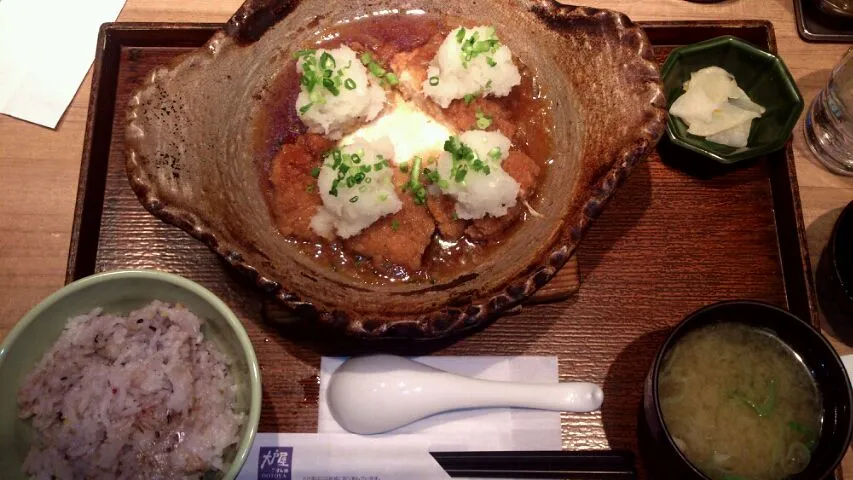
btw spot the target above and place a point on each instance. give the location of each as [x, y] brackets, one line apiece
[829, 121]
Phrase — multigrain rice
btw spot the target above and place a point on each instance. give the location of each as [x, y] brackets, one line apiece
[127, 397]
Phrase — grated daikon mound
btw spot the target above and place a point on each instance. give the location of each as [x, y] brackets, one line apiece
[328, 114]
[481, 194]
[458, 78]
[356, 207]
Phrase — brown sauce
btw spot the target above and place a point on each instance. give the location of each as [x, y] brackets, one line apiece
[523, 116]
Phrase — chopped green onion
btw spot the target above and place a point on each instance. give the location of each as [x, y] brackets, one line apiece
[453, 144]
[460, 35]
[798, 427]
[473, 46]
[489, 85]
[315, 172]
[392, 79]
[383, 196]
[483, 121]
[309, 188]
[378, 166]
[809, 437]
[349, 84]
[419, 195]
[432, 175]
[416, 169]
[443, 184]
[495, 153]
[327, 62]
[395, 225]
[433, 81]
[414, 185]
[766, 407]
[303, 53]
[376, 69]
[366, 58]
[463, 157]
[330, 86]
[356, 159]
[460, 175]
[321, 72]
[404, 167]
[482, 46]
[353, 199]
[305, 108]
[469, 98]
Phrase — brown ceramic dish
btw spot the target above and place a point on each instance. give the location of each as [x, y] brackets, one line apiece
[189, 154]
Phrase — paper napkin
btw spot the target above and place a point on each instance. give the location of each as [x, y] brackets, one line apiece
[294, 456]
[479, 429]
[46, 48]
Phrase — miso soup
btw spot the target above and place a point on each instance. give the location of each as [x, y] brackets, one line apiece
[739, 403]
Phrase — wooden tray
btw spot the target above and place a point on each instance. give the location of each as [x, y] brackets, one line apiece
[681, 233]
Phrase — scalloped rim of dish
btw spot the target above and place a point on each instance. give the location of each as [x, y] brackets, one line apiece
[451, 320]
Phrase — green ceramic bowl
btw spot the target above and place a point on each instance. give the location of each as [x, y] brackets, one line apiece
[763, 76]
[120, 292]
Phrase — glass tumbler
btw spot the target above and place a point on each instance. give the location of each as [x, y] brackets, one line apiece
[829, 121]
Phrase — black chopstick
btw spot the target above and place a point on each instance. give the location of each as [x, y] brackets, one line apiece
[571, 465]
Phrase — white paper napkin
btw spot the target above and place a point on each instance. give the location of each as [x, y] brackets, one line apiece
[46, 48]
[473, 430]
[299, 456]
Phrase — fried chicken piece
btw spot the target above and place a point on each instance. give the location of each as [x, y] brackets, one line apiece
[459, 114]
[295, 196]
[483, 229]
[525, 171]
[414, 63]
[443, 210]
[464, 116]
[400, 238]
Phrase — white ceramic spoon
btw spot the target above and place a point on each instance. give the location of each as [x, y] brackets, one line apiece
[378, 393]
